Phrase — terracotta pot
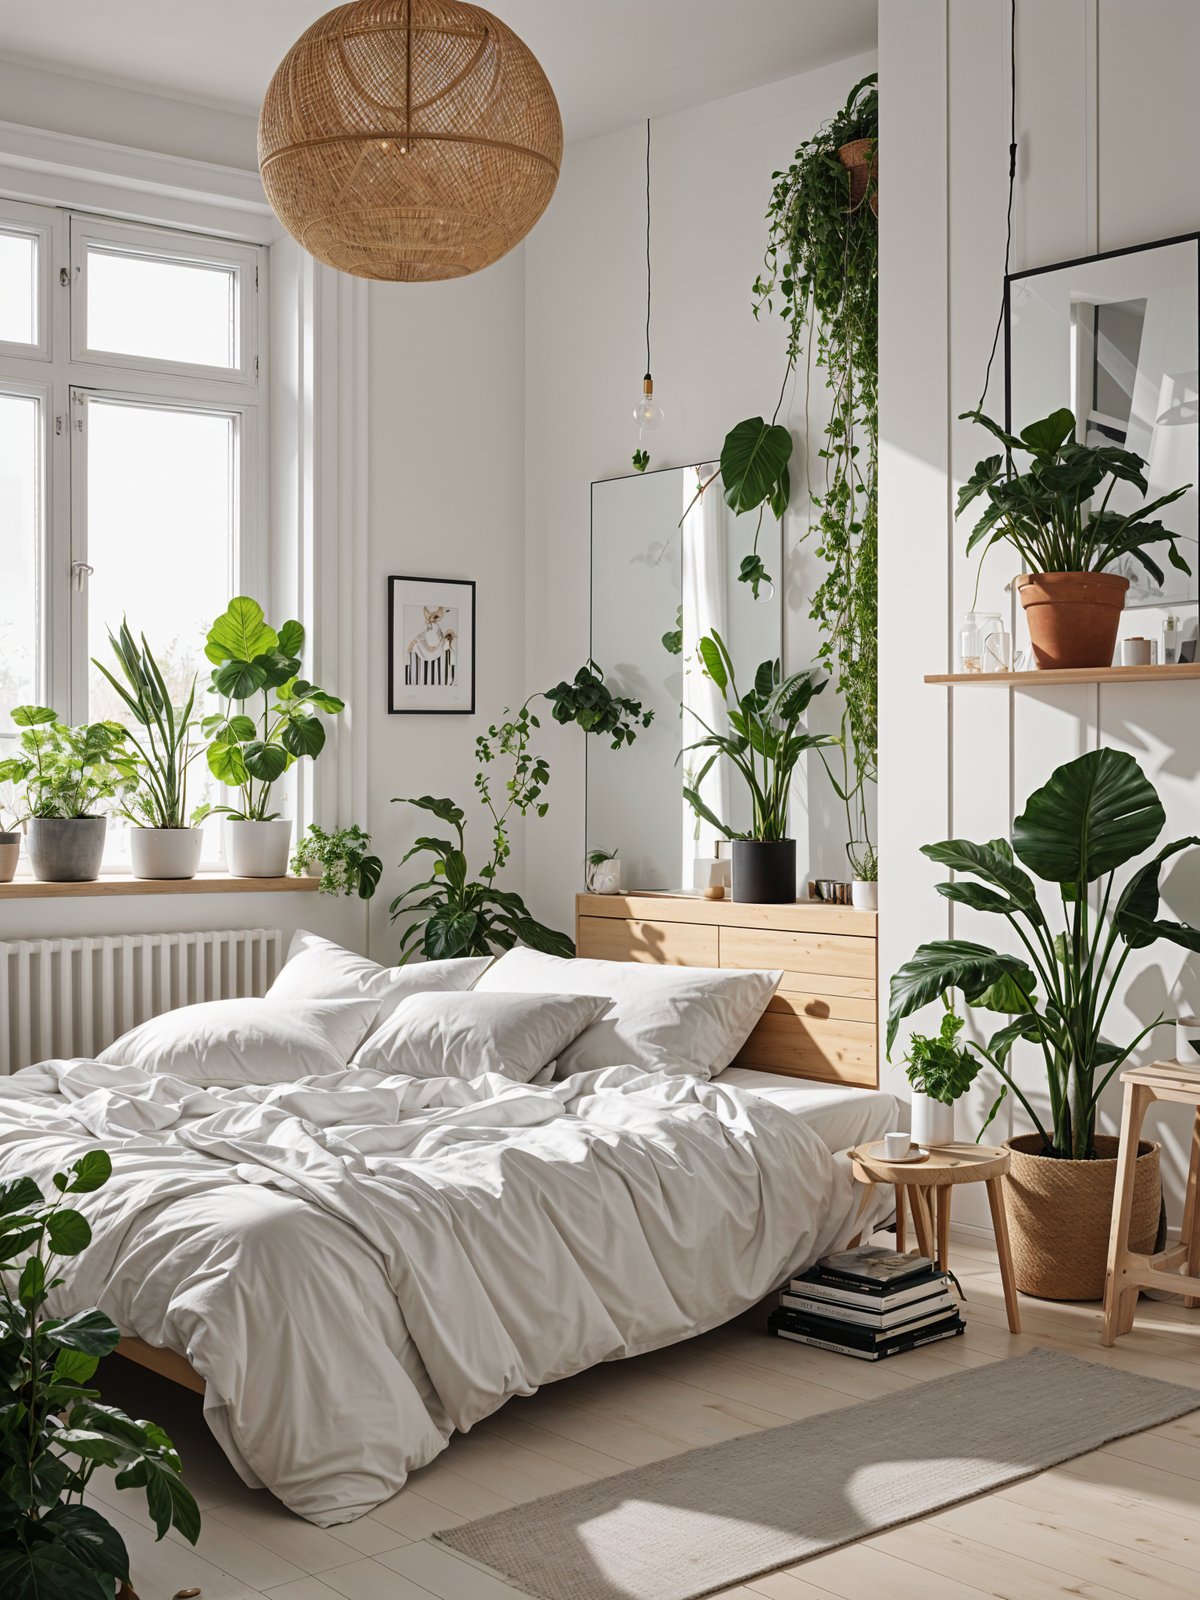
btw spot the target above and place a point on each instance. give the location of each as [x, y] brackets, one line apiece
[1060, 1212]
[1073, 617]
[861, 159]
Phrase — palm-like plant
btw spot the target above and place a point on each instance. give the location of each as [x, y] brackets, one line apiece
[764, 743]
[1049, 512]
[1093, 816]
[164, 747]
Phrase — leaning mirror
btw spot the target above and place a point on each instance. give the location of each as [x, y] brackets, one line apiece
[1116, 337]
[657, 587]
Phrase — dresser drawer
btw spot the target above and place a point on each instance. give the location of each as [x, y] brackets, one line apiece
[802, 957]
[676, 944]
[804, 1047]
[821, 1007]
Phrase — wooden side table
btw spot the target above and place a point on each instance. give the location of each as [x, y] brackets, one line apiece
[1129, 1272]
[929, 1185]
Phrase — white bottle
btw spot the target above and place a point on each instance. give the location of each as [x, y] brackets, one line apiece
[1170, 640]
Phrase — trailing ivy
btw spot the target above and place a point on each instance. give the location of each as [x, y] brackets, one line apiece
[821, 273]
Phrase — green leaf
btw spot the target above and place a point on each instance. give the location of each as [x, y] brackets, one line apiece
[446, 810]
[291, 638]
[241, 632]
[227, 764]
[449, 932]
[88, 1536]
[754, 465]
[1093, 814]
[46, 1570]
[304, 736]
[92, 1171]
[18, 1195]
[90, 1331]
[74, 1366]
[948, 964]
[993, 863]
[1137, 906]
[714, 664]
[264, 761]
[69, 1232]
[31, 1287]
[32, 716]
[238, 680]
[1043, 438]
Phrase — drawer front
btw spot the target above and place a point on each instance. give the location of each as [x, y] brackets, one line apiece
[822, 1007]
[675, 944]
[803, 1047]
[803, 957]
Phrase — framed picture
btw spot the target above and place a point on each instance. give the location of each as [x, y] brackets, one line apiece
[431, 646]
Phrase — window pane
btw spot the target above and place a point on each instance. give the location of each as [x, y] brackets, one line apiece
[161, 536]
[160, 309]
[20, 516]
[18, 288]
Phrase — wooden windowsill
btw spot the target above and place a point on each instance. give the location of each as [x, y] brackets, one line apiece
[118, 884]
[1043, 680]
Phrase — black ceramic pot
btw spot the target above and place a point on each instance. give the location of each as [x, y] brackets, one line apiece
[764, 871]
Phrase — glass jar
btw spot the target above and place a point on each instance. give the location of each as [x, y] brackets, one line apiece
[984, 644]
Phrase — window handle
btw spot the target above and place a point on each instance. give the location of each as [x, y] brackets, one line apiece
[79, 571]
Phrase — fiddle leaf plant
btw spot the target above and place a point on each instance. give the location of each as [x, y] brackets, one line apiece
[1093, 816]
[54, 1430]
[258, 666]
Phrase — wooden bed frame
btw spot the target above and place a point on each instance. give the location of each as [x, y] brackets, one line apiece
[821, 1024]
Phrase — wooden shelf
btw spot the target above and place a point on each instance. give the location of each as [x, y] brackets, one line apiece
[1042, 680]
[203, 883]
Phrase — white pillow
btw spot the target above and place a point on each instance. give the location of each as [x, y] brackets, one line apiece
[227, 1043]
[318, 969]
[690, 1020]
[462, 1035]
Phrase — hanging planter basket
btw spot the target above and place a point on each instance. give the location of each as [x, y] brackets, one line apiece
[861, 159]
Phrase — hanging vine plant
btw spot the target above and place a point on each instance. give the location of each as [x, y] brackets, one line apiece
[822, 273]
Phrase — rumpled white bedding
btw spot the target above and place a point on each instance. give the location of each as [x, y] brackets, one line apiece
[358, 1264]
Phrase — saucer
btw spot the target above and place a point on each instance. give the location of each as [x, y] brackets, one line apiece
[915, 1153]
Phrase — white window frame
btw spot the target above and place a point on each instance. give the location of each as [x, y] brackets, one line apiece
[23, 220]
[194, 250]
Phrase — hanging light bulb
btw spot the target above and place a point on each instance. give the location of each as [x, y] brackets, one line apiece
[647, 413]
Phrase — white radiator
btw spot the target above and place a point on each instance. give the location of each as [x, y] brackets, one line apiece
[73, 997]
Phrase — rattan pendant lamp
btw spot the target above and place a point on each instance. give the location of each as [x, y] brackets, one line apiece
[409, 140]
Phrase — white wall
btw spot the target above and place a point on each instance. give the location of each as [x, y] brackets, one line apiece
[1107, 159]
[713, 365]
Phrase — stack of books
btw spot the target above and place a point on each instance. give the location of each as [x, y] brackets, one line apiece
[870, 1303]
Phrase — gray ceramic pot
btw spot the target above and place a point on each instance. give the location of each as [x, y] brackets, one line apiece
[66, 849]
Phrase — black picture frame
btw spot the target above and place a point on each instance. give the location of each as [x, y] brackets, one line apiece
[404, 698]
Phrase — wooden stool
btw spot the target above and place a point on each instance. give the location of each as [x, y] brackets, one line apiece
[929, 1184]
[1127, 1271]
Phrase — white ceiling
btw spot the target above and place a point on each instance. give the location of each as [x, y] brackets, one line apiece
[611, 62]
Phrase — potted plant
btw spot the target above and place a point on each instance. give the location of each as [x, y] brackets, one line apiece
[864, 885]
[162, 844]
[764, 745]
[256, 665]
[340, 859]
[1094, 815]
[1056, 518]
[940, 1071]
[602, 872]
[10, 844]
[67, 773]
[56, 1431]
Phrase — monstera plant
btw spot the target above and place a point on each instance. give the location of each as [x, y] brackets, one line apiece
[1095, 815]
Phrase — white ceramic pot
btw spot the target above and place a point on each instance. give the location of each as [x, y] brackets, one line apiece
[10, 854]
[606, 877]
[864, 895]
[932, 1122]
[257, 849]
[165, 852]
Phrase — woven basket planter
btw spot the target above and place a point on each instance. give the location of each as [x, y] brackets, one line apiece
[1060, 1213]
[861, 159]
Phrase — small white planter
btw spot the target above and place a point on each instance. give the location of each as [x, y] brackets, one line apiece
[932, 1122]
[606, 877]
[864, 894]
[165, 852]
[257, 849]
[10, 854]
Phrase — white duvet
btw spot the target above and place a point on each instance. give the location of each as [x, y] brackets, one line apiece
[359, 1264]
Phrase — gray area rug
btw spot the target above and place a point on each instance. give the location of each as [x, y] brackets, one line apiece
[711, 1518]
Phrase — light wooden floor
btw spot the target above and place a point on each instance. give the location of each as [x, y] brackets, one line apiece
[1121, 1522]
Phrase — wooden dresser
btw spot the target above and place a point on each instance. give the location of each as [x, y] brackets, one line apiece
[822, 1021]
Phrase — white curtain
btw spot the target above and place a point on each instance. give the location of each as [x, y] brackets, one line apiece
[704, 593]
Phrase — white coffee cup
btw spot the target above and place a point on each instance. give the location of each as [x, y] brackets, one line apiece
[896, 1146]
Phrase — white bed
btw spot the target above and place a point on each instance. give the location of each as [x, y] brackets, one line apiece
[358, 1264]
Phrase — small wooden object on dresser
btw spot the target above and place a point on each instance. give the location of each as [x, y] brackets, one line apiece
[929, 1183]
[1127, 1270]
[821, 1022]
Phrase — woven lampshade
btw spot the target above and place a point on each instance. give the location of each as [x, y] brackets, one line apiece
[409, 139]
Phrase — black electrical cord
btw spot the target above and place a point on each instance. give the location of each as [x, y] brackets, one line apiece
[647, 246]
[1012, 181]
